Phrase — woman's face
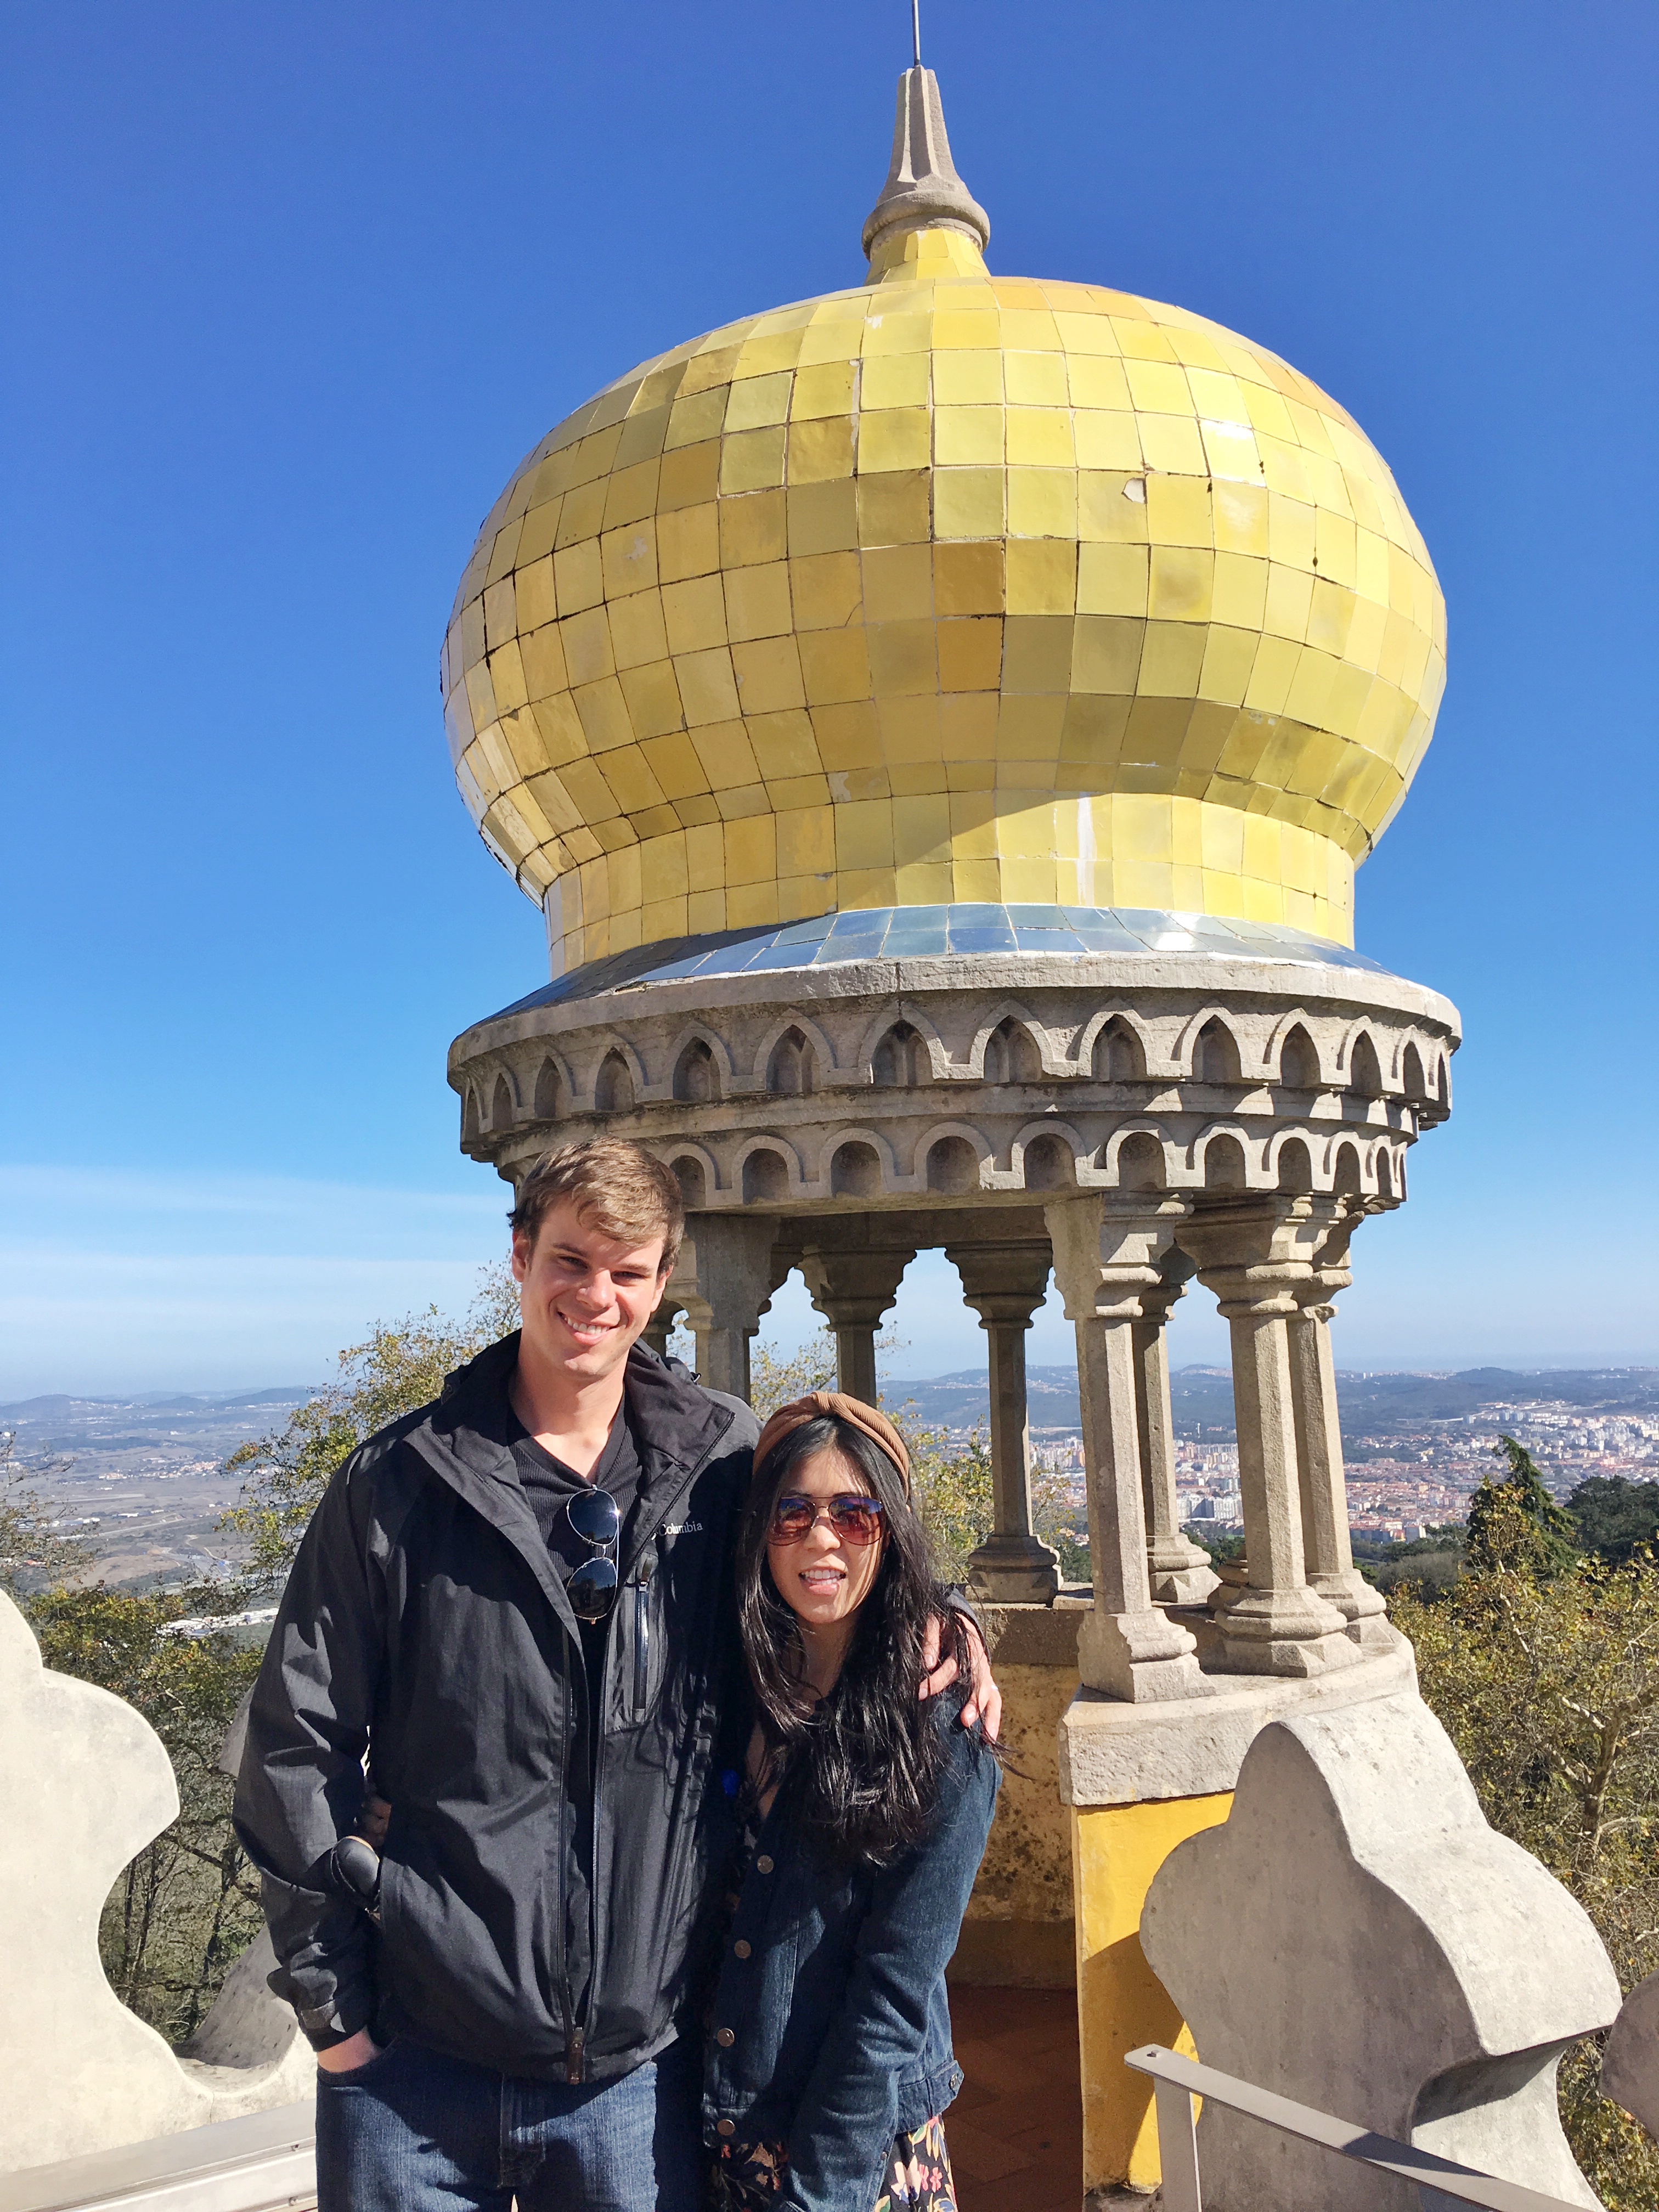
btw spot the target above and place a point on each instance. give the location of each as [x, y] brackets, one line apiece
[823, 1576]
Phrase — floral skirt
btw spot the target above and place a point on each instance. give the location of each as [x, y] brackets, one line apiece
[747, 2176]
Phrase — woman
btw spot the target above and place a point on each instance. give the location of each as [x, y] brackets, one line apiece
[863, 1813]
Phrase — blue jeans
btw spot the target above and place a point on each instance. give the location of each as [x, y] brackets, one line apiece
[414, 2132]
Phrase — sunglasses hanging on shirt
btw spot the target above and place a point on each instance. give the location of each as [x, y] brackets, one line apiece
[592, 1588]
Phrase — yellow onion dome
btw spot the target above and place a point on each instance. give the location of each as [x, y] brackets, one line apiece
[949, 588]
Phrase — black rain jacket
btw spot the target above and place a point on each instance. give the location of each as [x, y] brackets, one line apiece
[425, 1624]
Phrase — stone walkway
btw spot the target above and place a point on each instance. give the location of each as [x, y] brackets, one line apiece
[1016, 2131]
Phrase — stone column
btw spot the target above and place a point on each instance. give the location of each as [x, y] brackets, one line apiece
[1180, 1572]
[853, 1287]
[1006, 1284]
[1105, 1258]
[1329, 1554]
[1255, 1255]
[731, 1255]
[681, 1287]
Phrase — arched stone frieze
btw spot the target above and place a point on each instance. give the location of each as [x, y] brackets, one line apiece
[1294, 1034]
[503, 1109]
[891, 1176]
[1197, 1030]
[897, 1016]
[1048, 1061]
[1198, 1168]
[610, 1048]
[815, 1036]
[1042, 1138]
[1116, 1022]
[1138, 1140]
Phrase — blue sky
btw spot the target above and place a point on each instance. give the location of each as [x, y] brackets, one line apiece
[291, 289]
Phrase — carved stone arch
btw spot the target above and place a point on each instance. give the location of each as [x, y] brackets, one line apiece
[552, 1084]
[1382, 1173]
[694, 1169]
[1362, 1064]
[471, 1119]
[1139, 1157]
[767, 1169]
[1347, 1171]
[1012, 1054]
[1193, 1031]
[617, 1054]
[1289, 1163]
[1048, 1060]
[1293, 1055]
[816, 1037]
[1114, 1047]
[904, 1051]
[1412, 1081]
[867, 1139]
[1250, 1160]
[1046, 1155]
[942, 1157]
[696, 1078]
[713, 1045]
[502, 1111]
[1442, 1086]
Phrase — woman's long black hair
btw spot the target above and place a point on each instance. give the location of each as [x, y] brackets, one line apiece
[866, 1759]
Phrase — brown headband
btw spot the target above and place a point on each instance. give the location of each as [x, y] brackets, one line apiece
[821, 1405]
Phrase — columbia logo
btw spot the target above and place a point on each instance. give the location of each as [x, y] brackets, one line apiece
[682, 1528]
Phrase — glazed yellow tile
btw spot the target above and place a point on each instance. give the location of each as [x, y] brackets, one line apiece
[578, 576]
[755, 528]
[825, 590]
[899, 381]
[694, 614]
[970, 502]
[1179, 511]
[835, 665]
[968, 435]
[893, 509]
[757, 601]
[902, 659]
[1041, 503]
[686, 479]
[750, 460]
[707, 686]
[901, 439]
[688, 542]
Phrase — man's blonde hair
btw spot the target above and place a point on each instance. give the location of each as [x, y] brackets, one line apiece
[617, 1187]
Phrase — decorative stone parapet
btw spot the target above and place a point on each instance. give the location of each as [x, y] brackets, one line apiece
[971, 1077]
[86, 1784]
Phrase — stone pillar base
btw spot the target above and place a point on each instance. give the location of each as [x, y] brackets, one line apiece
[1290, 1633]
[1014, 1569]
[1142, 1658]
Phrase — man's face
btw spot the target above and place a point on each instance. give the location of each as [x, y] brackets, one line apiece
[583, 1297]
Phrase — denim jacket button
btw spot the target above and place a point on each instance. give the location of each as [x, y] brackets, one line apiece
[741, 1948]
[725, 2127]
[762, 1864]
[726, 2037]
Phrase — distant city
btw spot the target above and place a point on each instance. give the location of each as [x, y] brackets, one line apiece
[143, 1481]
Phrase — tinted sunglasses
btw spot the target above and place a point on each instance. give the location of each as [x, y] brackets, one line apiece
[854, 1520]
[592, 1588]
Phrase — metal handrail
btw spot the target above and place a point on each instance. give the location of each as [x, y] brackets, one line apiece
[1177, 2080]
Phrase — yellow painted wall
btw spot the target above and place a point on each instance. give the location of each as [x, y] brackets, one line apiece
[1115, 1851]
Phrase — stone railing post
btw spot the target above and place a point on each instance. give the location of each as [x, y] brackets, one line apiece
[1105, 1258]
[853, 1288]
[732, 1256]
[1329, 1552]
[1180, 1572]
[1006, 1284]
[1255, 1255]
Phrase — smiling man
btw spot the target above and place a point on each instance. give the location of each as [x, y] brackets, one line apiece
[515, 1605]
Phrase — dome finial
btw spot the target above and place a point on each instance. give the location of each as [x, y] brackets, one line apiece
[923, 190]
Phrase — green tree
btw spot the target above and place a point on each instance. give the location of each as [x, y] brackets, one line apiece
[35, 1553]
[1517, 1520]
[1546, 1678]
[188, 1904]
[399, 1367]
[1614, 1516]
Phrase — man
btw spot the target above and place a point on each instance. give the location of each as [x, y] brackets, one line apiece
[516, 1603]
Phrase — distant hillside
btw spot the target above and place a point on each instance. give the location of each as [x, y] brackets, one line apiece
[1374, 1404]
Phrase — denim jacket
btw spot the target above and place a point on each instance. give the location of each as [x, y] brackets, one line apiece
[829, 2030]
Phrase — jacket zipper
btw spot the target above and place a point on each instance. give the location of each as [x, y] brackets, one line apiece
[642, 1639]
[573, 2044]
